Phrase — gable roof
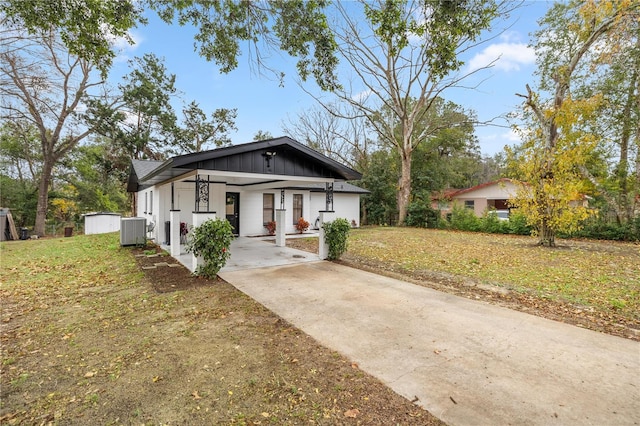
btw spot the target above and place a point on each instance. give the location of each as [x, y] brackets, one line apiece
[138, 169]
[286, 157]
[484, 185]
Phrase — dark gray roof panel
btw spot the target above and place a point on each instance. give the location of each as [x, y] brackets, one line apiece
[248, 157]
[291, 158]
[144, 167]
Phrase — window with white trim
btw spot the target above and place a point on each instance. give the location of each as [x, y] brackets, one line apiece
[297, 207]
[267, 208]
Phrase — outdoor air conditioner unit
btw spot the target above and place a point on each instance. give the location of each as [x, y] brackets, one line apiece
[133, 231]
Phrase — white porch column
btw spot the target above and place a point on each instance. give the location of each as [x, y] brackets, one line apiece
[174, 233]
[281, 236]
[198, 219]
[323, 247]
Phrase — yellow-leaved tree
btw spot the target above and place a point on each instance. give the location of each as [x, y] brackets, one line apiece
[557, 145]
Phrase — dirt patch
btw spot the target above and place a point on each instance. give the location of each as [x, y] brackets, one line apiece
[581, 316]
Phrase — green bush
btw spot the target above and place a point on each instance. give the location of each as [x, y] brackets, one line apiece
[421, 215]
[336, 233]
[211, 240]
[464, 219]
[598, 228]
[517, 224]
[492, 224]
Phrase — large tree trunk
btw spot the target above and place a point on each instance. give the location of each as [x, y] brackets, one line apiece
[622, 172]
[546, 233]
[404, 187]
[547, 237]
[43, 198]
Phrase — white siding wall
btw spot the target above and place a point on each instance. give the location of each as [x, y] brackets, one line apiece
[218, 198]
[346, 206]
[288, 203]
[251, 213]
[185, 200]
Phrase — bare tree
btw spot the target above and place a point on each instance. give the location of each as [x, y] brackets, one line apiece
[402, 56]
[325, 130]
[42, 84]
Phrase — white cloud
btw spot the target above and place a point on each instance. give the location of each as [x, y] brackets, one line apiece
[492, 143]
[512, 136]
[361, 97]
[122, 46]
[509, 56]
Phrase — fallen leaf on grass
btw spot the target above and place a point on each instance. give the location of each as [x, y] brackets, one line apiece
[89, 374]
[195, 395]
[265, 414]
[353, 413]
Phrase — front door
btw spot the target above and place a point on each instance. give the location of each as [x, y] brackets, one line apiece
[233, 211]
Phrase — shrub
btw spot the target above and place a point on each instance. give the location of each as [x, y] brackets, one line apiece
[518, 224]
[421, 215]
[211, 240]
[336, 233]
[302, 225]
[464, 219]
[492, 224]
[599, 228]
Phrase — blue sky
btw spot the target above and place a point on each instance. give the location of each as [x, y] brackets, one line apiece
[263, 105]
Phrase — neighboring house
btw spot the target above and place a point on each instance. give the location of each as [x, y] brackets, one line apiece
[493, 195]
[248, 184]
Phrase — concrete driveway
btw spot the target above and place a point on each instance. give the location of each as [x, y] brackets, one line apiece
[467, 362]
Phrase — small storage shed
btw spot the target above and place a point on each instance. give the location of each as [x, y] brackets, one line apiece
[101, 223]
[7, 226]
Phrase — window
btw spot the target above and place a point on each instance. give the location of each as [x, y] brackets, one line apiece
[297, 207]
[267, 208]
[146, 202]
[150, 202]
[469, 204]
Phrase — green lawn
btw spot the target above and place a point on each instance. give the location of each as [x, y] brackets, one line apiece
[87, 337]
[602, 275]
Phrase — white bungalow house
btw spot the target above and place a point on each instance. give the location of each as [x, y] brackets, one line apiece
[249, 184]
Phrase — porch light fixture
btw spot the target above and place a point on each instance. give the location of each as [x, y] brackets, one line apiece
[268, 155]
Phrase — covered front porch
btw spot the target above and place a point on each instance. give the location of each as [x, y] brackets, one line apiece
[257, 252]
[249, 185]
